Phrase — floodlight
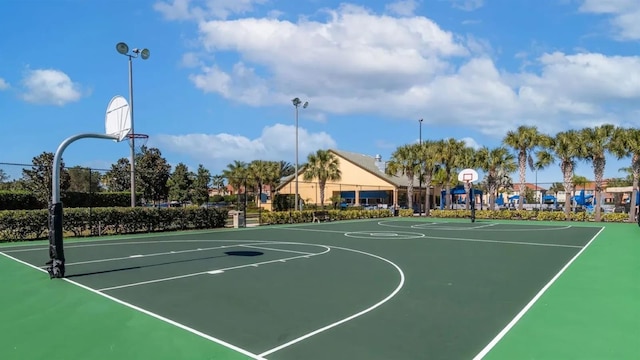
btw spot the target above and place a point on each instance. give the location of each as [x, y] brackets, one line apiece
[144, 54]
[296, 102]
[122, 48]
[306, 103]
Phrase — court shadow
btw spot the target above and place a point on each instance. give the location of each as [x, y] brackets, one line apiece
[244, 253]
[226, 254]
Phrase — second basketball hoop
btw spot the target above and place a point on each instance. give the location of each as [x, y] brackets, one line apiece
[468, 175]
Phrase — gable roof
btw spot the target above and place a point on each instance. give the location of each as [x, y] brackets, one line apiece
[365, 162]
[368, 163]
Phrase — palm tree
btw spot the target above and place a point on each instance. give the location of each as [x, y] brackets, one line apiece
[496, 163]
[578, 180]
[543, 159]
[236, 175]
[555, 188]
[524, 140]
[217, 181]
[467, 160]
[439, 180]
[429, 166]
[625, 142]
[286, 169]
[449, 157]
[566, 148]
[260, 172]
[597, 142]
[324, 166]
[405, 160]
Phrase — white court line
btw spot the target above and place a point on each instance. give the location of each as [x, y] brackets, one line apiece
[447, 226]
[504, 242]
[517, 318]
[332, 325]
[147, 312]
[327, 249]
[174, 252]
[274, 249]
[469, 240]
[112, 243]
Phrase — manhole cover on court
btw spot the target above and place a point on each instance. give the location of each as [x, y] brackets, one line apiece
[383, 235]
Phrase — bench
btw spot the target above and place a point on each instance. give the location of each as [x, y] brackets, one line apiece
[319, 216]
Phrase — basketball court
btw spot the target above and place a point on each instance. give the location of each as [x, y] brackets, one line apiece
[370, 289]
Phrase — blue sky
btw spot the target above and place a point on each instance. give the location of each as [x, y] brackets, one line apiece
[222, 73]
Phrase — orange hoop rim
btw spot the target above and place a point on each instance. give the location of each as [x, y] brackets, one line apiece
[137, 136]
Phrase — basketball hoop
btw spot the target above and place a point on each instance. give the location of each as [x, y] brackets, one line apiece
[468, 176]
[137, 140]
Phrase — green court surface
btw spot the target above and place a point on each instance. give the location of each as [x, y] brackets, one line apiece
[394, 288]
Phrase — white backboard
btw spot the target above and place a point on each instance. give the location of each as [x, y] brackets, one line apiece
[468, 175]
[117, 121]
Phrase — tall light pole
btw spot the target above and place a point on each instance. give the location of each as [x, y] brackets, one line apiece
[420, 177]
[296, 103]
[123, 49]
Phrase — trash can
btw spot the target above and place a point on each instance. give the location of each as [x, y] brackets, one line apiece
[238, 218]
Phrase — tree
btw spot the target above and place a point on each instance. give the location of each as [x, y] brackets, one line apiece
[38, 179]
[180, 184]
[264, 173]
[236, 174]
[4, 177]
[523, 140]
[626, 142]
[405, 160]
[543, 159]
[324, 166]
[118, 178]
[497, 163]
[467, 159]
[152, 172]
[217, 182]
[449, 156]
[597, 143]
[578, 181]
[429, 166]
[555, 188]
[201, 185]
[566, 148]
[285, 169]
[84, 180]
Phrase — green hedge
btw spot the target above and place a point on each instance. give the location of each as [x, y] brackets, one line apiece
[21, 225]
[13, 200]
[24, 200]
[528, 215]
[98, 199]
[287, 217]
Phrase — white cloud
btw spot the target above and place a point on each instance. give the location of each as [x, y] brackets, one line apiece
[203, 9]
[359, 62]
[402, 7]
[4, 85]
[190, 60]
[276, 142]
[625, 15]
[467, 5]
[471, 142]
[50, 87]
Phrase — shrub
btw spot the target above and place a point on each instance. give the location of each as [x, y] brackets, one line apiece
[294, 217]
[33, 224]
[18, 200]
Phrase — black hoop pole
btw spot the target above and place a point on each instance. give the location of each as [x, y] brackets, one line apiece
[472, 202]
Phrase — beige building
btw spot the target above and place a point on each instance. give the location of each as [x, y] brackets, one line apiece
[363, 183]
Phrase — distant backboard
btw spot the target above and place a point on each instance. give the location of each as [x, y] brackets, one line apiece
[117, 120]
[468, 175]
